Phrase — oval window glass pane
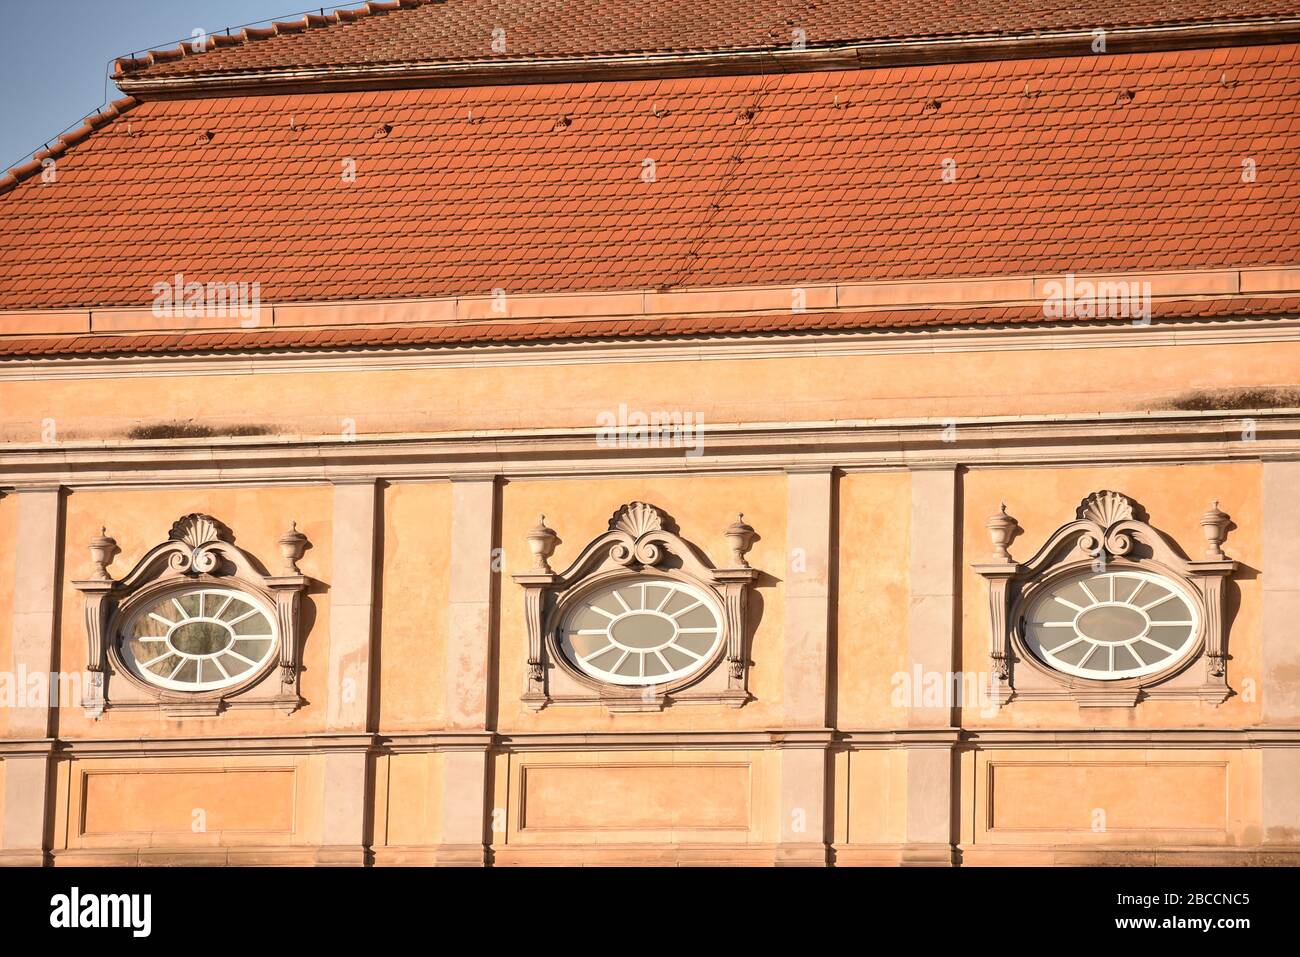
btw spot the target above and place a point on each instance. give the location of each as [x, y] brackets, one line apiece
[642, 632]
[1111, 625]
[198, 640]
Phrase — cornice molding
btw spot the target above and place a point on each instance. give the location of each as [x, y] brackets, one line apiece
[182, 747]
[1171, 738]
[849, 56]
[816, 738]
[751, 448]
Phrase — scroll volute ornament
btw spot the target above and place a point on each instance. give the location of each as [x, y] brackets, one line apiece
[1107, 532]
[199, 550]
[639, 539]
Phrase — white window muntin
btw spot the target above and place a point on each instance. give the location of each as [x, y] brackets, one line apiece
[642, 631]
[236, 632]
[1106, 626]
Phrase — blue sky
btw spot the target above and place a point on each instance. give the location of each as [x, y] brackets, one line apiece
[55, 54]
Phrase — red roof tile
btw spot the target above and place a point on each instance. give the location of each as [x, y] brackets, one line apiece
[778, 179]
[432, 31]
[484, 333]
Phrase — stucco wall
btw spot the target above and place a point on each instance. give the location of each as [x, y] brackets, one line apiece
[499, 395]
[413, 610]
[8, 532]
[420, 776]
[871, 610]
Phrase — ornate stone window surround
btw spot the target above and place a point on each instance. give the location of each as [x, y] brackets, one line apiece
[198, 553]
[1108, 533]
[640, 544]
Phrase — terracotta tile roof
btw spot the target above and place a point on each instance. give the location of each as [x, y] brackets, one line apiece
[1087, 164]
[490, 333]
[430, 31]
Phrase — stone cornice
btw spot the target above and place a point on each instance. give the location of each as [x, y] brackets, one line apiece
[816, 738]
[1172, 738]
[180, 747]
[759, 448]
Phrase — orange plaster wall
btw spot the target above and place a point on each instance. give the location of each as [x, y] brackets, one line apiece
[409, 800]
[871, 636]
[413, 616]
[1175, 498]
[140, 520]
[702, 506]
[8, 555]
[871, 796]
[943, 385]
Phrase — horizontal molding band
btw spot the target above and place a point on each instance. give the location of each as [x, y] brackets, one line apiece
[675, 854]
[1082, 855]
[283, 855]
[625, 740]
[1097, 738]
[184, 747]
[809, 854]
[750, 448]
[777, 739]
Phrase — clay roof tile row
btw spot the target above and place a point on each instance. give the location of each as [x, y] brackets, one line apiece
[592, 330]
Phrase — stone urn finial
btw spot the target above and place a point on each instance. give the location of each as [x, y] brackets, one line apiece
[1002, 528]
[1214, 524]
[292, 544]
[102, 550]
[740, 539]
[542, 542]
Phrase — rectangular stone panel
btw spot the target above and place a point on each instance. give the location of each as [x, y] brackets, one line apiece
[162, 801]
[636, 797]
[1108, 797]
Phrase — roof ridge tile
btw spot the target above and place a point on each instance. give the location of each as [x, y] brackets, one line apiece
[592, 29]
[16, 174]
[134, 64]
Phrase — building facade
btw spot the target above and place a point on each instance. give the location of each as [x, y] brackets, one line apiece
[433, 435]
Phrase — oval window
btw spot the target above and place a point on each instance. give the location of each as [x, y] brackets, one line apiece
[198, 640]
[642, 632]
[1120, 624]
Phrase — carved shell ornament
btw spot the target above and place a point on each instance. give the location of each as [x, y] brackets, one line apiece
[197, 533]
[636, 520]
[1106, 509]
